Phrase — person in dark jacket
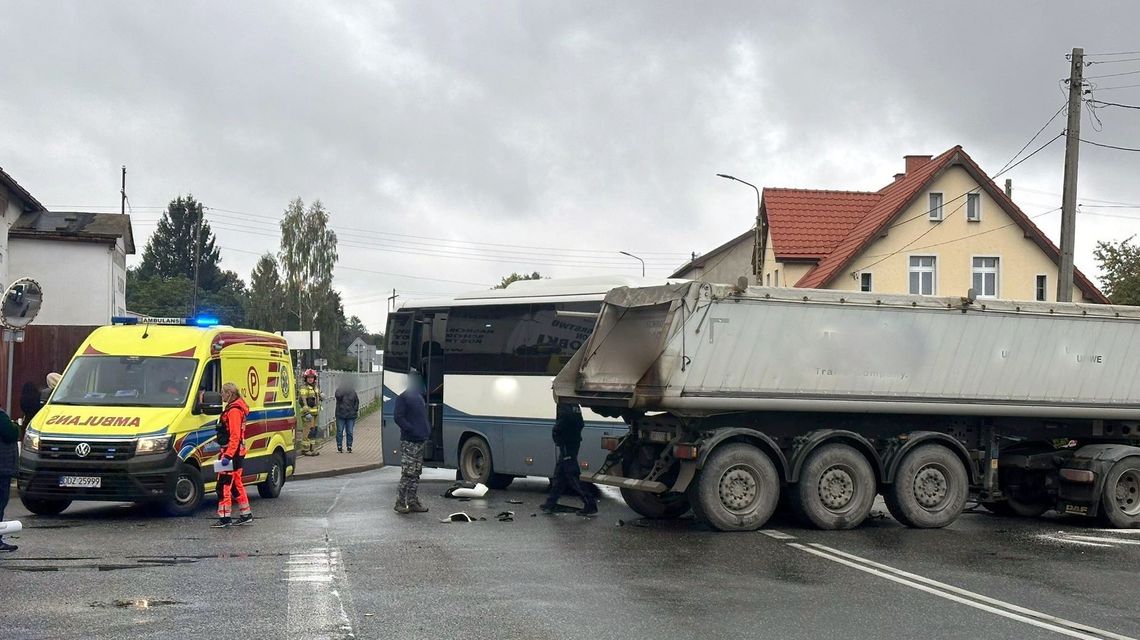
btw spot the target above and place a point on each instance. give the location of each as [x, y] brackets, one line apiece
[412, 418]
[347, 410]
[9, 437]
[567, 435]
[30, 402]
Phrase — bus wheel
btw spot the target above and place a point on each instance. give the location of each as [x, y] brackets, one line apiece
[271, 488]
[836, 488]
[737, 489]
[476, 465]
[188, 492]
[1120, 502]
[930, 488]
[45, 506]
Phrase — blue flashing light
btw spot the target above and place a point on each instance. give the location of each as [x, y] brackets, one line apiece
[124, 320]
[206, 321]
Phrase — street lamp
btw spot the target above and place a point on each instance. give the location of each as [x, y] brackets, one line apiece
[626, 253]
[761, 243]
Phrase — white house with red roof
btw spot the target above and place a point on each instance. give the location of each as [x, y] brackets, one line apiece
[941, 227]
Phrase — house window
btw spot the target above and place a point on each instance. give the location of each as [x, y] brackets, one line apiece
[935, 211]
[768, 280]
[777, 277]
[923, 275]
[974, 207]
[864, 282]
[985, 279]
[1042, 282]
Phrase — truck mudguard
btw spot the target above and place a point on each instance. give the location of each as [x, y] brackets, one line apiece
[812, 440]
[916, 438]
[761, 441]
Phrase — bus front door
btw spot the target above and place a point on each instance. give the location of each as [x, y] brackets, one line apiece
[432, 328]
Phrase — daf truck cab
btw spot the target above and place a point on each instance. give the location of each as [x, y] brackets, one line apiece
[134, 418]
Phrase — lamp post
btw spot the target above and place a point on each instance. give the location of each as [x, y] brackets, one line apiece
[626, 253]
[761, 243]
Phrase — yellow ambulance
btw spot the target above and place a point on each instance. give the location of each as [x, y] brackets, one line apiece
[134, 417]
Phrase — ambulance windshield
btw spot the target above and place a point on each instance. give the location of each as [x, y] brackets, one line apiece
[126, 381]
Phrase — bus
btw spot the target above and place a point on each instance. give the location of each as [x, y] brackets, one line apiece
[488, 359]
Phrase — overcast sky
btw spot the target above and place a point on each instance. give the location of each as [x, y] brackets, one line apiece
[457, 142]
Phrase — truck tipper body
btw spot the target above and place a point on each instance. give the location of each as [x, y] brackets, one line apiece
[736, 396]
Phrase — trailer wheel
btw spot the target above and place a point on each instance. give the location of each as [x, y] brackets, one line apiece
[476, 465]
[930, 488]
[836, 489]
[738, 488]
[656, 506]
[1120, 502]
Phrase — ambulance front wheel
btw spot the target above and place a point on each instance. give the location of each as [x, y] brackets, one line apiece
[45, 506]
[271, 488]
[188, 492]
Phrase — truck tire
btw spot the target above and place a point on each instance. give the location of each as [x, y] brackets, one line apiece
[188, 492]
[273, 484]
[476, 465]
[930, 488]
[1120, 502]
[45, 506]
[737, 489]
[656, 506]
[836, 489]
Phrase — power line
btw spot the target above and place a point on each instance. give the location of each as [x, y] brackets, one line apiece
[1092, 62]
[1113, 75]
[1103, 55]
[1035, 136]
[1102, 103]
[380, 273]
[1123, 86]
[1109, 146]
[965, 237]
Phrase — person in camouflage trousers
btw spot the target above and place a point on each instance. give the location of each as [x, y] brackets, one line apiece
[412, 418]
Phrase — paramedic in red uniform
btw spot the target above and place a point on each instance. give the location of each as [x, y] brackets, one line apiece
[231, 433]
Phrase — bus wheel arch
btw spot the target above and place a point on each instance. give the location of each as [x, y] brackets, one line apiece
[476, 463]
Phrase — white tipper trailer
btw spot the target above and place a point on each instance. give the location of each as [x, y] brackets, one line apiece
[736, 397]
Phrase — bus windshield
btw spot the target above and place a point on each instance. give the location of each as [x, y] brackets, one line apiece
[126, 381]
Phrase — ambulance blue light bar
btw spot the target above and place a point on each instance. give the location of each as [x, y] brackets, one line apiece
[200, 321]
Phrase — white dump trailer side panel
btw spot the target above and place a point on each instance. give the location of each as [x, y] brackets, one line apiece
[771, 349]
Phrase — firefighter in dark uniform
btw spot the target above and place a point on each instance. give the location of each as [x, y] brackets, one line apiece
[567, 434]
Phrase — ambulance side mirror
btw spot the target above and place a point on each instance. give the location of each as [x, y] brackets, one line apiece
[209, 403]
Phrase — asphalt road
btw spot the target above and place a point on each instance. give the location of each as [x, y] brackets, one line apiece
[330, 559]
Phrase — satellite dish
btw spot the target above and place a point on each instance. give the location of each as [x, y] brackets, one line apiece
[22, 300]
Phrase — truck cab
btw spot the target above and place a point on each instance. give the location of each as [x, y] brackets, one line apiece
[134, 417]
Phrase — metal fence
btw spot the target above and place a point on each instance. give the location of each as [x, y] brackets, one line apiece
[367, 387]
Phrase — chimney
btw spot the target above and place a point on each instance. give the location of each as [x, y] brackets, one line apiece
[899, 176]
[914, 163]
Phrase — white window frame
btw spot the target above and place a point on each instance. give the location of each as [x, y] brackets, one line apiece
[1044, 287]
[870, 281]
[996, 270]
[976, 197]
[935, 213]
[933, 270]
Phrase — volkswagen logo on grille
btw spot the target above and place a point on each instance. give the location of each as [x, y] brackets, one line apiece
[82, 449]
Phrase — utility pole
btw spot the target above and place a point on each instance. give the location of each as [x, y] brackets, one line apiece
[123, 193]
[1069, 192]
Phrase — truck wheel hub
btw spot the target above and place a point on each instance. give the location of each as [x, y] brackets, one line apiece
[1128, 492]
[930, 487]
[738, 489]
[836, 488]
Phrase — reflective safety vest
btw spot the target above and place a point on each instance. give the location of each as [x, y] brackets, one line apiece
[310, 399]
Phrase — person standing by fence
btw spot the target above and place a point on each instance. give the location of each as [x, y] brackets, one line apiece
[347, 410]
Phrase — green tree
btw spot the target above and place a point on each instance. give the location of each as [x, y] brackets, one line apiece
[171, 249]
[307, 257]
[267, 309]
[1119, 264]
[169, 297]
[515, 277]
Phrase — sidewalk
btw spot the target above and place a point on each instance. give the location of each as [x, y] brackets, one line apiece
[366, 453]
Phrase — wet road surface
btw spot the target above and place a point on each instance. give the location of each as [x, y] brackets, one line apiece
[330, 559]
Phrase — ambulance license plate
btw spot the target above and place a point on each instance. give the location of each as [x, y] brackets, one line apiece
[82, 482]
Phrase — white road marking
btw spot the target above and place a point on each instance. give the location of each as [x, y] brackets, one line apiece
[779, 535]
[337, 498]
[315, 607]
[1109, 540]
[961, 596]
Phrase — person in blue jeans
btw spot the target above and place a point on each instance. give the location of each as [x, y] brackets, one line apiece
[347, 410]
